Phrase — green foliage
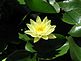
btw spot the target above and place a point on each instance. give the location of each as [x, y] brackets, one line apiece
[40, 6]
[29, 47]
[63, 49]
[55, 5]
[69, 5]
[75, 31]
[72, 17]
[21, 2]
[52, 48]
[24, 37]
[75, 50]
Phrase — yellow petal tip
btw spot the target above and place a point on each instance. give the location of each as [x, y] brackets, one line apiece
[52, 36]
[36, 39]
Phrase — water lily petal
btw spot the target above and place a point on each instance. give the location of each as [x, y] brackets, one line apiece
[50, 30]
[45, 20]
[30, 33]
[51, 36]
[46, 26]
[49, 22]
[33, 23]
[46, 29]
[38, 20]
[36, 39]
[45, 37]
[31, 27]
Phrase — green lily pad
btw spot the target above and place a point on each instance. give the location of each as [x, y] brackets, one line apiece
[40, 6]
[69, 5]
[21, 2]
[75, 31]
[24, 37]
[29, 47]
[75, 50]
[55, 5]
[72, 17]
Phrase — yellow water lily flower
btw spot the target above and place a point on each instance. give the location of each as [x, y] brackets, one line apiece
[41, 29]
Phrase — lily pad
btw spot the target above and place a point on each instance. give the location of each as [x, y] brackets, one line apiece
[40, 6]
[75, 31]
[75, 50]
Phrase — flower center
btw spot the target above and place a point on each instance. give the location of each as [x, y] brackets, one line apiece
[40, 29]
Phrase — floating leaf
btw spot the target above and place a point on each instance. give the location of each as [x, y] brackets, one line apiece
[72, 17]
[55, 5]
[40, 6]
[29, 47]
[75, 50]
[69, 5]
[75, 31]
[63, 50]
[24, 37]
[21, 2]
